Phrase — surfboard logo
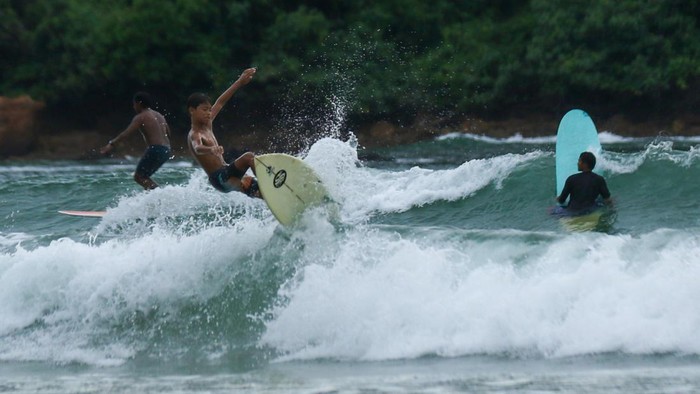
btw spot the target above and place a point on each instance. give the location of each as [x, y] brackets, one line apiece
[280, 178]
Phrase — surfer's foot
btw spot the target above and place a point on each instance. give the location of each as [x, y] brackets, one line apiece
[251, 188]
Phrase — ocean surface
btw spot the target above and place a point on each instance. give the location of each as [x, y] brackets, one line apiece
[440, 270]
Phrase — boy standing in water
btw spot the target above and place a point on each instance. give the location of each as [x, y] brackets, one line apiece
[155, 132]
[204, 147]
[584, 187]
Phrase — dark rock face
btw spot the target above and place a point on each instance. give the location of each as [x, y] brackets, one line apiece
[17, 125]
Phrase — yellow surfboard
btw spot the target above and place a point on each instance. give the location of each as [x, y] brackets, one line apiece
[588, 222]
[288, 185]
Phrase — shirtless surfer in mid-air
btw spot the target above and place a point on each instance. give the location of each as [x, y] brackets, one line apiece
[203, 145]
[155, 131]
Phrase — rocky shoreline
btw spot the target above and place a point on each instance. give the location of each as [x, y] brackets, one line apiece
[26, 133]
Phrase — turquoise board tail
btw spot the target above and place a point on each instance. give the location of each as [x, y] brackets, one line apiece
[576, 134]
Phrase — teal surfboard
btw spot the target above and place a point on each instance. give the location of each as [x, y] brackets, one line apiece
[576, 134]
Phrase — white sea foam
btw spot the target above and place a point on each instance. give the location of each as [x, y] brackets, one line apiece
[153, 249]
[69, 168]
[140, 210]
[605, 137]
[367, 292]
[514, 139]
[73, 292]
[13, 239]
[362, 191]
[625, 163]
[383, 296]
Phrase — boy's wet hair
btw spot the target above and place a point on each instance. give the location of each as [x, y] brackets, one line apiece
[196, 99]
[143, 98]
[588, 158]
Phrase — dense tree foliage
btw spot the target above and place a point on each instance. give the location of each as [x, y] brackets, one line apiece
[393, 58]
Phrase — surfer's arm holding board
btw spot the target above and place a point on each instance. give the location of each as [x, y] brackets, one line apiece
[561, 199]
[201, 145]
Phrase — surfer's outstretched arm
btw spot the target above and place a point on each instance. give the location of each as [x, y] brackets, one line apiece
[245, 77]
[136, 122]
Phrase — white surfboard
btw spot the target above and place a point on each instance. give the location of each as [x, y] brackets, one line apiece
[288, 185]
[85, 214]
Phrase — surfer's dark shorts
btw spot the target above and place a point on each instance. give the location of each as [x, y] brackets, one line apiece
[153, 158]
[219, 179]
[565, 212]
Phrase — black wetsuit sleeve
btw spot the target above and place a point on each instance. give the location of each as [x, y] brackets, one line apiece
[565, 191]
[604, 188]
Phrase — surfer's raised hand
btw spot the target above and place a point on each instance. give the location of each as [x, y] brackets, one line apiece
[247, 76]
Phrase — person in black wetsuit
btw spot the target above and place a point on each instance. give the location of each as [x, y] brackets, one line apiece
[584, 187]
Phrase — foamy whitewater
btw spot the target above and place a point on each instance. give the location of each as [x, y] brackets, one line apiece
[437, 269]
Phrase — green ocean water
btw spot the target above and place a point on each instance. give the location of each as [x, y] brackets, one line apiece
[443, 273]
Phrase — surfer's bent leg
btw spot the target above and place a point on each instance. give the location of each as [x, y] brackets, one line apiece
[220, 179]
[249, 185]
[245, 161]
[233, 171]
